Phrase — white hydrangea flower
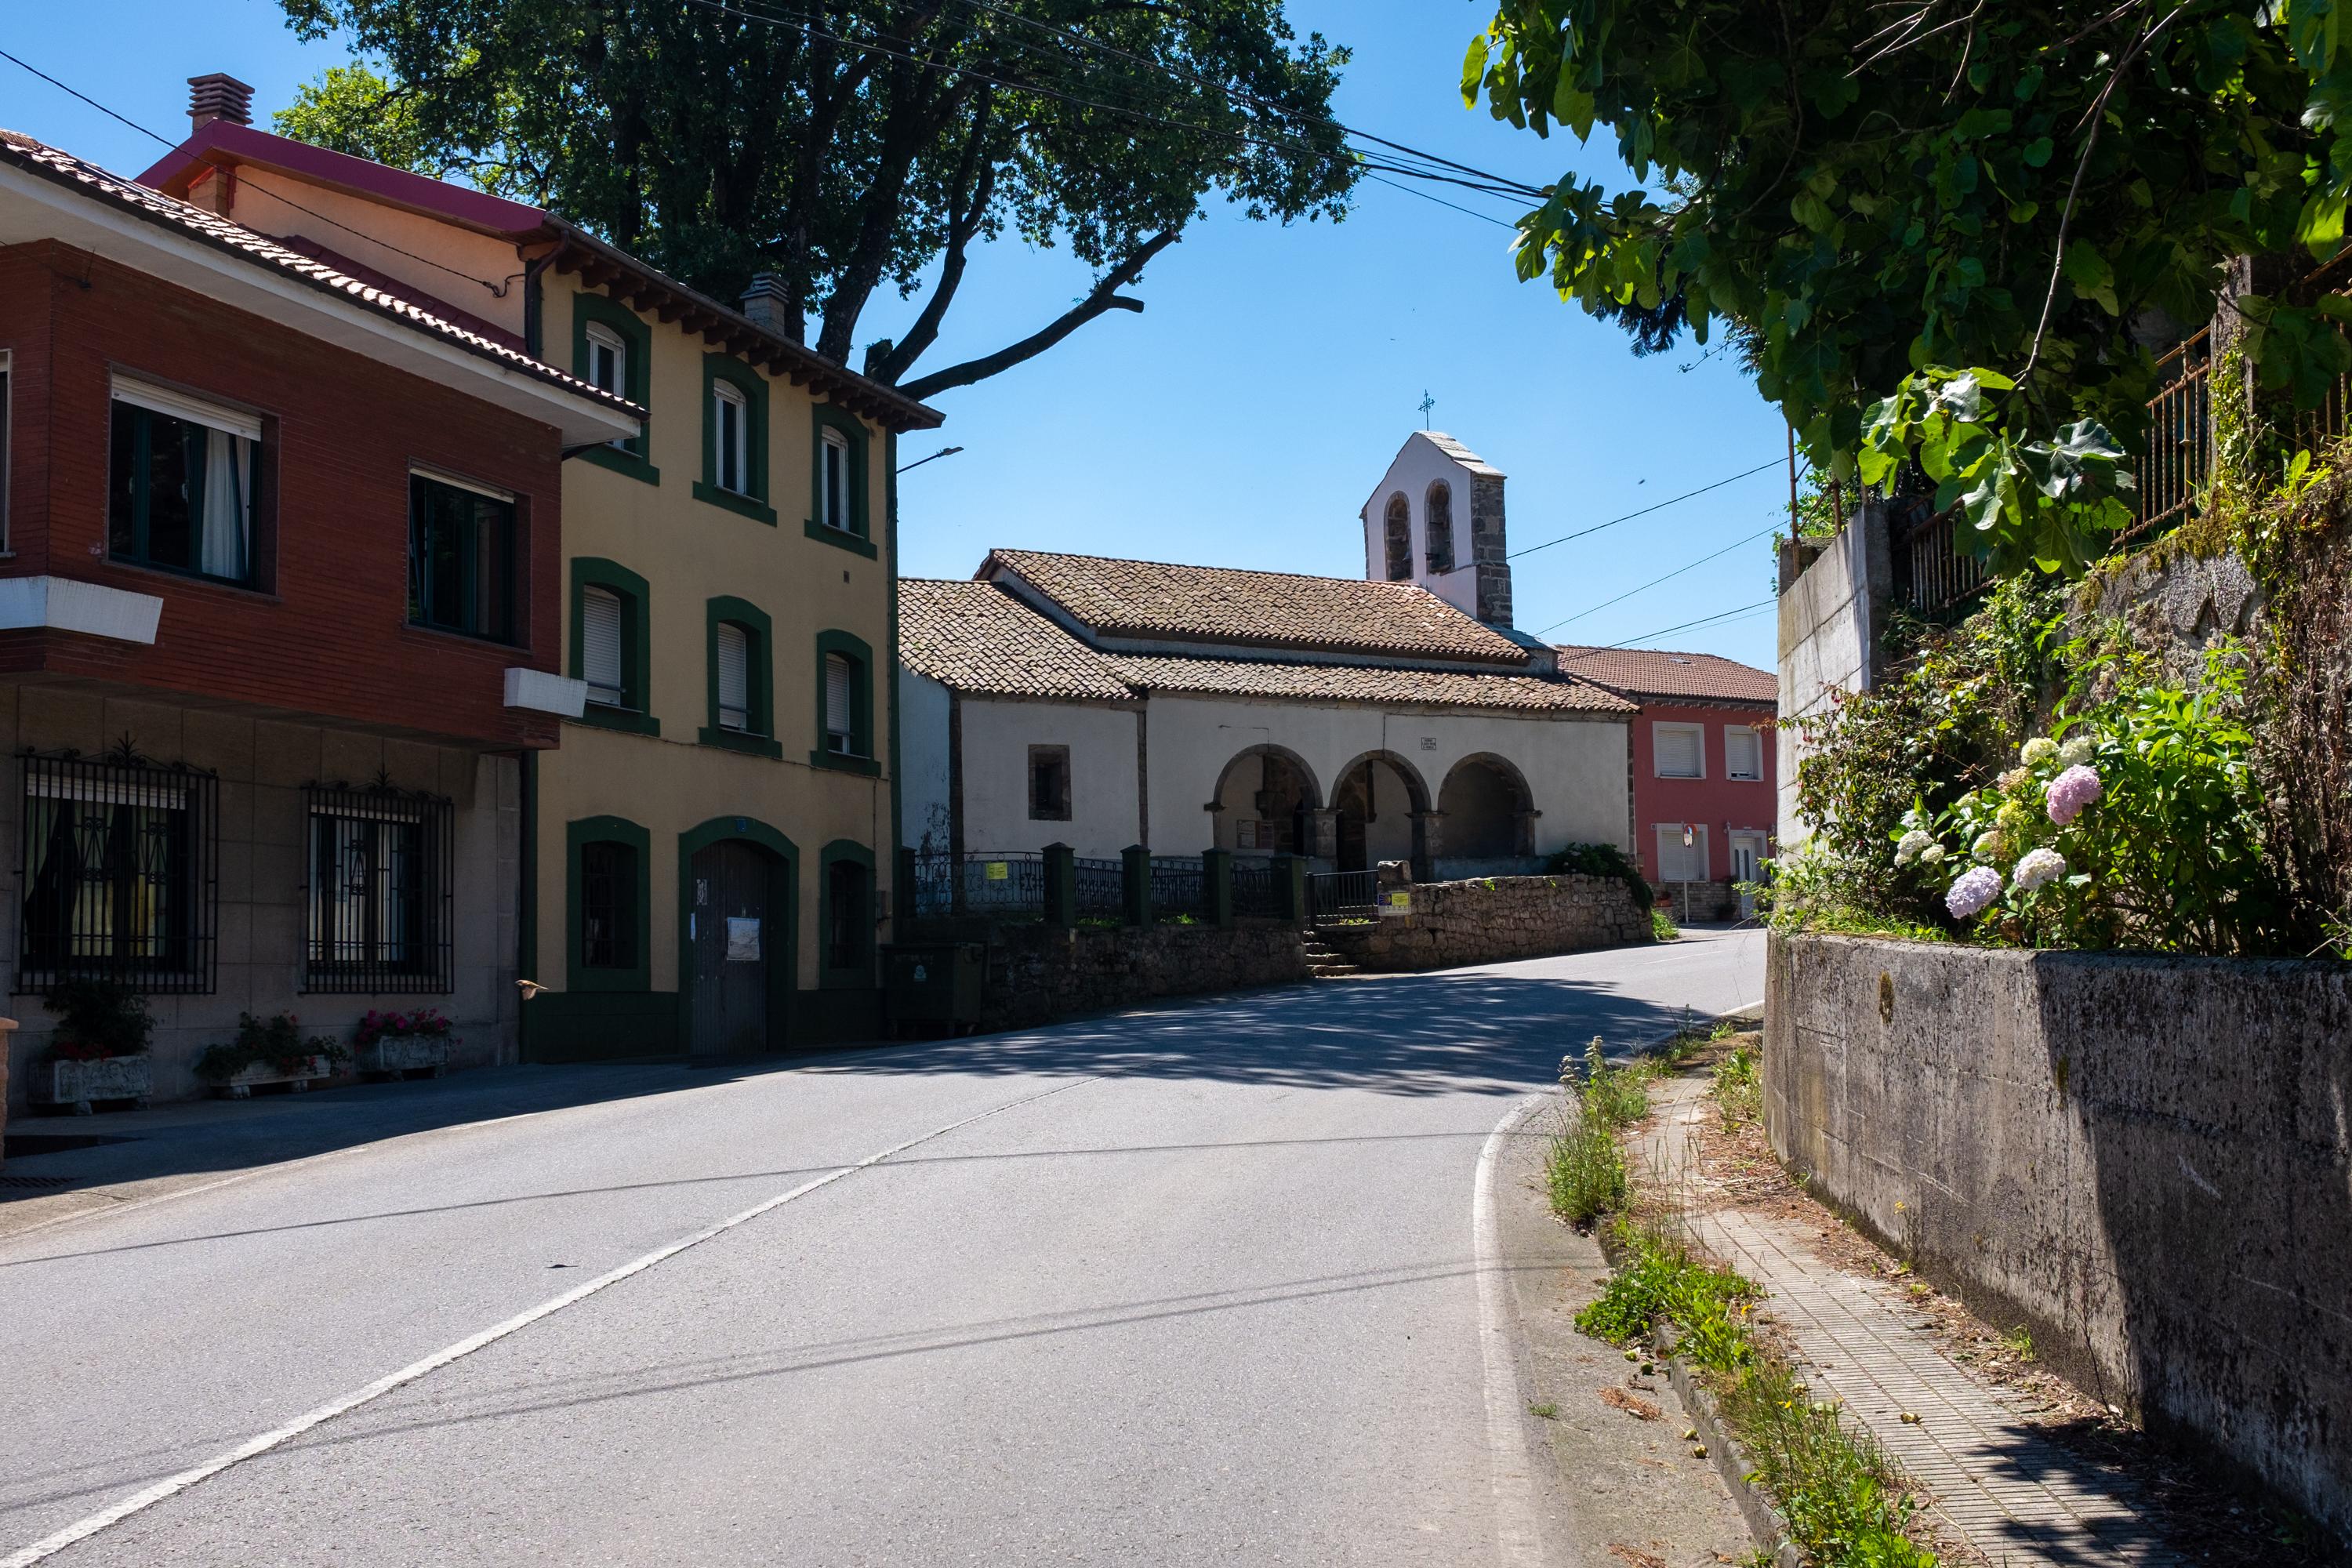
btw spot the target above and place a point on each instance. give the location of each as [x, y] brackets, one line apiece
[1911, 845]
[2038, 749]
[2014, 779]
[1932, 855]
[2039, 869]
[1989, 847]
[2078, 751]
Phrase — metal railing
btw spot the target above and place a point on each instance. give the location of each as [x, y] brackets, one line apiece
[1932, 571]
[1101, 888]
[996, 885]
[1258, 888]
[1176, 886]
[2179, 454]
[381, 899]
[119, 873]
[1334, 897]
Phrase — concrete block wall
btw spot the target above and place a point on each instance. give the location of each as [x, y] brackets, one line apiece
[2146, 1160]
[1829, 618]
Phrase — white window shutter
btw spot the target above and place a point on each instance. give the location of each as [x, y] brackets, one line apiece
[600, 645]
[837, 702]
[1743, 753]
[734, 678]
[1677, 752]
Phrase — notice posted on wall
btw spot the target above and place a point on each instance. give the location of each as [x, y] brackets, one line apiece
[742, 938]
[1396, 903]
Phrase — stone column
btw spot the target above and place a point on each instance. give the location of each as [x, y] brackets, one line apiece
[1135, 883]
[1428, 843]
[1217, 886]
[1061, 886]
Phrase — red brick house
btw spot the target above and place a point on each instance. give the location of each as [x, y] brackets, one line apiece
[277, 619]
[1705, 799]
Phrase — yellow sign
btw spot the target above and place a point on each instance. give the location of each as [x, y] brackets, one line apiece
[998, 870]
[1398, 902]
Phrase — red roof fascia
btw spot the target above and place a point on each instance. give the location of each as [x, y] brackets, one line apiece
[223, 145]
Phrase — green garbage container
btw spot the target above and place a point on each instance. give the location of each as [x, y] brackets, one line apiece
[934, 983]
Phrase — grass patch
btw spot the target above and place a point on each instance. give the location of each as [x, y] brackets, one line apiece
[1738, 1090]
[2019, 1342]
[1545, 1411]
[1662, 925]
[1841, 1496]
[1585, 1170]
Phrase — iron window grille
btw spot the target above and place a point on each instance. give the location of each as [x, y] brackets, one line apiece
[608, 905]
[380, 891]
[118, 868]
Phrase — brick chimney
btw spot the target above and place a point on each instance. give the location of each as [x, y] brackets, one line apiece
[765, 303]
[219, 96]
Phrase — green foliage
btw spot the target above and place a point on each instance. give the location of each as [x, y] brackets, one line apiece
[1600, 860]
[1662, 925]
[1859, 193]
[1662, 1283]
[1620, 1097]
[2169, 857]
[1585, 1170]
[871, 150]
[1834, 1486]
[276, 1042]
[97, 1020]
[1739, 1089]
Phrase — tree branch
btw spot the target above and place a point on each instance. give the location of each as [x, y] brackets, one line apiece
[1105, 296]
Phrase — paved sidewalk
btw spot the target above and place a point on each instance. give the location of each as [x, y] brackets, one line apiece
[2011, 1493]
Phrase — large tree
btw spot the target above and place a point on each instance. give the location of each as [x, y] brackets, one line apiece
[846, 146]
[1879, 195]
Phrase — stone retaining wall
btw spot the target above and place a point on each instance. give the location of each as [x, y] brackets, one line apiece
[1492, 918]
[2147, 1160]
[1037, 973]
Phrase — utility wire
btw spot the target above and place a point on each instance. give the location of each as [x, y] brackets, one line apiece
[498, 289]
[1646, 511]
[1653, 582]
[1441, 201]
[1760, 606]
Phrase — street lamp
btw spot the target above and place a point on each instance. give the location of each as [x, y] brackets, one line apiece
[935, 457]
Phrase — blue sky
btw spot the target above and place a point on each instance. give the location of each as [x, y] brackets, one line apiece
[1242, 419]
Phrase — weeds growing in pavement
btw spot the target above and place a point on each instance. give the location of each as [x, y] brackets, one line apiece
[2019, 1342]
[1585, 1169]
[1619, 1095]
[1661, 926]
[1738, 1091]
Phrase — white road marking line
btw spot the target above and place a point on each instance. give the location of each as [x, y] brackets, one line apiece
[171, 1486]
[1516, 1536]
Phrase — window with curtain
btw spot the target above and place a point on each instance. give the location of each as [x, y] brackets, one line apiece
[730, 431]
[1678, 751]
[119, 878]
[181, 483]
[734, 677]
[604, 621]
[379, 914]
[461, 544]
[608, 906]
[832, 480]
[840, 715]
[1743, 752]
[849, 936]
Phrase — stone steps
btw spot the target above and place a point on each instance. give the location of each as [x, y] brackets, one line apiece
[1326, 963]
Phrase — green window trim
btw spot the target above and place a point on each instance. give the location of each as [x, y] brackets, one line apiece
[628, 458]
[577, 837]
[858, 537]
[754, 388]
[760, 662]
[855, 977]
[861, 758]
[634, 717]
[784, 907]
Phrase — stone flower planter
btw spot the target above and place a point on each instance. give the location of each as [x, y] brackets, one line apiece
[262, 1075]
[82, 1084]
[395, 1056]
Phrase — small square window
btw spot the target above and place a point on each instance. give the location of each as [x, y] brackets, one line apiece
[1049, 783]
[1678, 751]
[1743, 752]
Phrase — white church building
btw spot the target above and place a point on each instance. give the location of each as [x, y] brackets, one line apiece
[1103, 703]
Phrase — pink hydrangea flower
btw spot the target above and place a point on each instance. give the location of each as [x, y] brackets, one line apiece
[2073, 790]
[1973, 893]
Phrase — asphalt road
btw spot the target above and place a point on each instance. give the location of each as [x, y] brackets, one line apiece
[1199, 1285]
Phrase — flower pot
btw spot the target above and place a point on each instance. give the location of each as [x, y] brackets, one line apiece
[82, 1084]
[398, 1054]
[262, 1075]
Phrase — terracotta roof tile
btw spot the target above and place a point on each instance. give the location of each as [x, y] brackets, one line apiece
[976, 638]
[1262, 609]
[1654, 672]
[979, 639]
[1355, 683]
[65, 169]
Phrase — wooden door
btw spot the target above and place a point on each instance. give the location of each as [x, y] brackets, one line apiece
[734, 940]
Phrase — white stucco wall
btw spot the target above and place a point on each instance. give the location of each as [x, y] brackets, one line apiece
[1829, 619]
[922, 761]
[997, 735]
[1415, 467]
[1575, 768]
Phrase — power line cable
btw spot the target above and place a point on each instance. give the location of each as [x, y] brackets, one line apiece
[496, 288]
[1441, 201]
[1755, 608]
[1646, 511]
[1689, 566]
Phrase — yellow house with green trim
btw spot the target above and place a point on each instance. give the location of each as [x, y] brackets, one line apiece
[706, 855]
[713, 838]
